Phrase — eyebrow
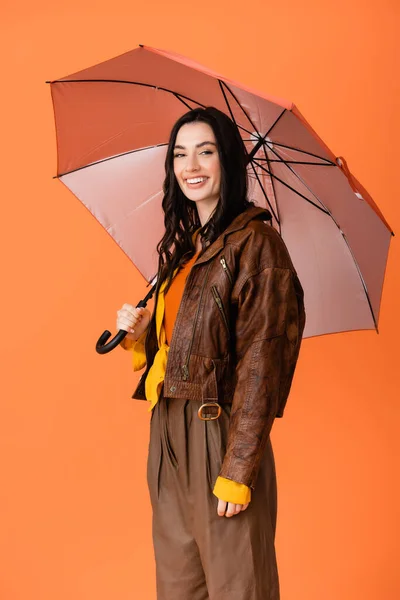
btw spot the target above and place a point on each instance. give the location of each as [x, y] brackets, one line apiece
[197, 145]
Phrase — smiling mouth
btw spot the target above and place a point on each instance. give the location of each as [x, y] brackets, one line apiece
[195, 181]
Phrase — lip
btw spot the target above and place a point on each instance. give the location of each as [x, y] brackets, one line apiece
[196, 177]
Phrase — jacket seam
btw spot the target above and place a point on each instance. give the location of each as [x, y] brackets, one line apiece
[249, 387]
[259, 270]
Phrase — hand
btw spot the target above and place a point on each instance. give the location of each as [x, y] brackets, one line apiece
[230, 508]
[133, 320]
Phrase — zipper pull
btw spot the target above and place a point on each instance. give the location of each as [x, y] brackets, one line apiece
[225, 267]
[185, 371]
[219, 302]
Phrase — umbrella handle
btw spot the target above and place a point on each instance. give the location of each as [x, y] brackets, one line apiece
[102, 347]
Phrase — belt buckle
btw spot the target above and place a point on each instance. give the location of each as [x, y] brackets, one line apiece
[209, 418]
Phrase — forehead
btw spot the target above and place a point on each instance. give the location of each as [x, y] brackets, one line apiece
[194, 133]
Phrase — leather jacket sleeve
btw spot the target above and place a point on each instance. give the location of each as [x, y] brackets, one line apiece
[268, 331]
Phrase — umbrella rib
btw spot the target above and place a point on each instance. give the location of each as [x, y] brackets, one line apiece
[286, 162]
[283, 161]
[181, 100]
[361, 277]
[261, 139]
[230, 110]
[304, 152]
[273, 188]
[255, 129]
[289, 186]
[265, 193]
[238, 103]
[291, 147]
[150, 85]
[297, 162]
[97, 162]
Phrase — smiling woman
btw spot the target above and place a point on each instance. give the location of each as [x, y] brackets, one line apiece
[206, 144]
[218, 370]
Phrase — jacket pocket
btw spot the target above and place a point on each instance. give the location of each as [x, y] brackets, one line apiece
[221, 309]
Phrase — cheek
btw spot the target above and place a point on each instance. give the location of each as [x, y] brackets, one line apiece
[217, 173]
[177, 176]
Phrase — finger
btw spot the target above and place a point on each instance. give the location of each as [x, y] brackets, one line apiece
[132, 314]
[130, 310]
[137, 312]
[125, 324]
[127, 319]
[234, 509]
[221, 508]
[126, 316]
[127, 306]
[244, 506]
[231, 510]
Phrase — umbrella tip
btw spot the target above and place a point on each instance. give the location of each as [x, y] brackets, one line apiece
[141, 45]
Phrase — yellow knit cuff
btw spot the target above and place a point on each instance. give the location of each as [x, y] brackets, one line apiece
[232, 491]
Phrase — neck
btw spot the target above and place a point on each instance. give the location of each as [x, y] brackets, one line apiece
[205, 208]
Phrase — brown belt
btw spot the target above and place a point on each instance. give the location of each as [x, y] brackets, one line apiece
[210, 409]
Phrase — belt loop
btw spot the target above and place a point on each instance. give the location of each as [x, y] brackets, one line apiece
[210, 409]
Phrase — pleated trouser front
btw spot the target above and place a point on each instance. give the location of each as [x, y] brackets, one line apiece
[200, 555]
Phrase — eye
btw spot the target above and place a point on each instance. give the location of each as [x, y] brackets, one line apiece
[178, 155]
[207, 152]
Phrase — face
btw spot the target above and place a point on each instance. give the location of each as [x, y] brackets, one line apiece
[196, 164]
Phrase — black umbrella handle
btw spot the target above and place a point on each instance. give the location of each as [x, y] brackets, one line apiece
[102, 347]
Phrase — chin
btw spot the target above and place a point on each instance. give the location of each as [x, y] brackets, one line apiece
[196, 199]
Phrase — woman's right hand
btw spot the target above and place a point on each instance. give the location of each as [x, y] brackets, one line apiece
[133, 320]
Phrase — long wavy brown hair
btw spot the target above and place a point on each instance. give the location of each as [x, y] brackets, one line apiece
[180, 214]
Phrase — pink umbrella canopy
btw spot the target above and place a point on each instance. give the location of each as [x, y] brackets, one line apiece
[113, 122]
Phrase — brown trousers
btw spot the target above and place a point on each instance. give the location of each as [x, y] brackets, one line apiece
[200, 555]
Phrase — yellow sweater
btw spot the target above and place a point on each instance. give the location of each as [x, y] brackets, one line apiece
[225, 489]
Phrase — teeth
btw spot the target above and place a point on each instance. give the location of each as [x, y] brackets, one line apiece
[196, 180]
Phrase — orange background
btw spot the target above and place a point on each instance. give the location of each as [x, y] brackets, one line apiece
[74, 505]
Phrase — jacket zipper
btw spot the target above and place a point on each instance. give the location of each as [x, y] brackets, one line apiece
[220, 305]
[185, 367]
[226, 268]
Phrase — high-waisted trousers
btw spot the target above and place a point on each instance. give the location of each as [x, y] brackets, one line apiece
[200, 555]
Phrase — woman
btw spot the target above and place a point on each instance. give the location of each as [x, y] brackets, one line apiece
[220, 352]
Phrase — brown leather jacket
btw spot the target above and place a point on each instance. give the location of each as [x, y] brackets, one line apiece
[237, 336]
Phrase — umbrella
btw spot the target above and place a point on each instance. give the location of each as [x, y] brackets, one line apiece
[113, 122]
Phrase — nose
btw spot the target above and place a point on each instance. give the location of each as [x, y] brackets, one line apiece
[192, 164]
